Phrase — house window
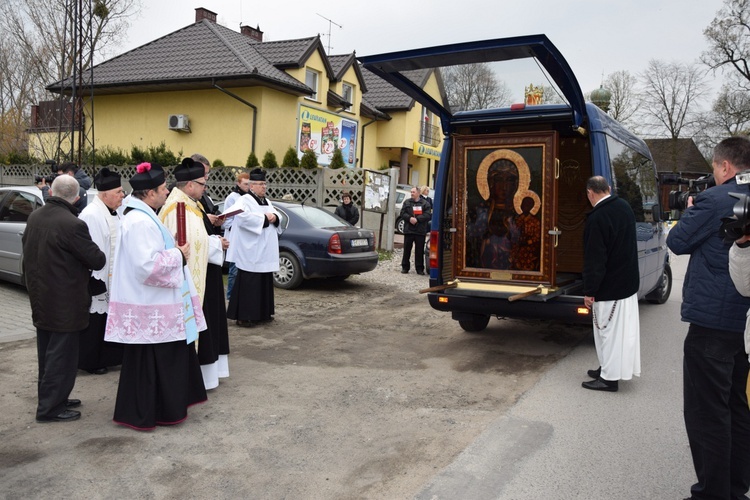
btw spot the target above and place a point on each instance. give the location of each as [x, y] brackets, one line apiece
[347, 92]
[311, 80]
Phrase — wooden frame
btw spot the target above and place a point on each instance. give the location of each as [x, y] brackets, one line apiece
[505, 207]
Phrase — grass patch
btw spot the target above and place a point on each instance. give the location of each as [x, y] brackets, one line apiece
[384, 255]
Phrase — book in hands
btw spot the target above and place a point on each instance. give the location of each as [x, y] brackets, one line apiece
[230, 213]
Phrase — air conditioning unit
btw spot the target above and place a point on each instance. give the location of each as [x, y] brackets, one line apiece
[179, 122]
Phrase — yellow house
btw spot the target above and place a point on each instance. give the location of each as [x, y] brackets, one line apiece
[206, 88]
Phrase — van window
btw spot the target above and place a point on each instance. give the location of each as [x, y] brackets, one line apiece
[634, 178]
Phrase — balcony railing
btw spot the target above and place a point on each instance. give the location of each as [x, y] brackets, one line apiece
[429, 134]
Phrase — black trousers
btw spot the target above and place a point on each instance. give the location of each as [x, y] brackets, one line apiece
[58, 363]
[717, 417]
[409, 241]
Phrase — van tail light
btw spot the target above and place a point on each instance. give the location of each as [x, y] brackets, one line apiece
[334, 244]
[433, 249]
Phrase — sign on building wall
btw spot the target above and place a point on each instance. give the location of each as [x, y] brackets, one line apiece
[323, 132]
[426, 151]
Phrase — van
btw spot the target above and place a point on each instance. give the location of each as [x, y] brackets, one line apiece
[510, 199]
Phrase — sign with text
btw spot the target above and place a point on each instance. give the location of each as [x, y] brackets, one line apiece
[324, 132]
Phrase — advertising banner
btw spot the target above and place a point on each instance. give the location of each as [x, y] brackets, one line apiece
[323, 132]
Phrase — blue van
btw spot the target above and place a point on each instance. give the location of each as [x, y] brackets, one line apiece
[510, 198]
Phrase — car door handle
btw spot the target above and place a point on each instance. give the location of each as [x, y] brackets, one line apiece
[20, 233]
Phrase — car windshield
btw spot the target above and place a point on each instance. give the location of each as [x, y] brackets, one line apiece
[316, 217]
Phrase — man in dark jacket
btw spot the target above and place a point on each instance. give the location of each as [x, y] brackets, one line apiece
[58, 257]
[610, 286]
[715, 366]
[416, 213]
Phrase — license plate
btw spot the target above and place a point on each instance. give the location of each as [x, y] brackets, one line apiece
[362, 242]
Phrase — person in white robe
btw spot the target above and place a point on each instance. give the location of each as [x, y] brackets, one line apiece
[103, 220]
[241, 188]
[254, 249]
[155, 312]
[610, 285]
[206, 259]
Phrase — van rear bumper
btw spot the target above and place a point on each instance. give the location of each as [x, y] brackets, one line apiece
[561, 308]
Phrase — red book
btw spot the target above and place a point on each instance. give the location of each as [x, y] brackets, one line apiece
[181, 228]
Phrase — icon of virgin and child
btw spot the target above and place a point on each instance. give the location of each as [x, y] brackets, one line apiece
[503, 230]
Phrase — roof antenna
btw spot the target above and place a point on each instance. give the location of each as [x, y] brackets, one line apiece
[329, 32]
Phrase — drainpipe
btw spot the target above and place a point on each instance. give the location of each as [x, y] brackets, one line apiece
[255, 109]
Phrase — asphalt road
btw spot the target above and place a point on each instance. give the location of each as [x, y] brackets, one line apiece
[557, 441]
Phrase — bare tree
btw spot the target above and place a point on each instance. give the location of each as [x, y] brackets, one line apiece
[731, 111]
[474, 86]
[625, 100]
[728, 37]
[37, 50]
[671, 93]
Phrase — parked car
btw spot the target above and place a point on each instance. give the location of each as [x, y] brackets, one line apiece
[314, 243]
[16, 204]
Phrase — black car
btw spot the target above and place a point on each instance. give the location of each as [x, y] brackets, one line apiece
[314, 243]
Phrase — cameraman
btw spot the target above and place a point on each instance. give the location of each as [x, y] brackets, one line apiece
[715, 366]
[84, 183]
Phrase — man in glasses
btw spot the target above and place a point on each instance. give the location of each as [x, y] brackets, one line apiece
[204, 264]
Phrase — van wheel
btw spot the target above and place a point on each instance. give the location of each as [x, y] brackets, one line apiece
[476, 323]
[661, 293]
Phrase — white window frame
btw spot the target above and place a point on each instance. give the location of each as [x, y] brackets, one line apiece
[312, 78]
[350, 87]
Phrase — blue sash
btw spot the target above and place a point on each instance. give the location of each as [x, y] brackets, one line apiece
[191, 328]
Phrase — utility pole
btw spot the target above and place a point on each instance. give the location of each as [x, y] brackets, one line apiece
[329, 32]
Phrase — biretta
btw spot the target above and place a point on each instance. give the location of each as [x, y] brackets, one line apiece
[189, 170]
[105, 179]
[147, 177]
[257, 174]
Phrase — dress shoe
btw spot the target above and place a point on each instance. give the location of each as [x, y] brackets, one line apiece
[244, 323]
[98, 371]
[601, 385]
[404, 271]
[594, 373]
[72, 403]
[63, 416]
[421, 273]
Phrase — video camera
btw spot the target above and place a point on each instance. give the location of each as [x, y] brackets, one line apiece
[738, 225]
[678, 199]
[47, 178]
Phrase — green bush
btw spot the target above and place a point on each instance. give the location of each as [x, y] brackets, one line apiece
[291, 159]
[160, 155]
[252, 161]
[110, 156]
[269, 160]
[309, 160]
[338, 159]
[21, 158]
[217, 163]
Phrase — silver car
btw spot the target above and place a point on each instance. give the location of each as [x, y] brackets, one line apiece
[16, 204]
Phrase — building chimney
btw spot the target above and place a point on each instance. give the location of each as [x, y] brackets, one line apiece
[201, 13]
[254, 33]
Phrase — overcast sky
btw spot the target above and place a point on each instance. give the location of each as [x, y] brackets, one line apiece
[596, 37]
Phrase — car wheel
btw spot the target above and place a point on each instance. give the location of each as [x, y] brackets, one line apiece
[400, 226]
[661, 293]
[476, 323]
[289, 275]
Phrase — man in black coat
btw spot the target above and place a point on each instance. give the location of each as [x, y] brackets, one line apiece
[610, 286]
[58, 257]
[416, 213]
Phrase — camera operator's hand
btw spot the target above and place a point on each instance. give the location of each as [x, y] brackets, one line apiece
[689, 201]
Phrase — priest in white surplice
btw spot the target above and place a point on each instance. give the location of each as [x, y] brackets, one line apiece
[155, 311]
[103, 221]
[206, 258]
[254, 249]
